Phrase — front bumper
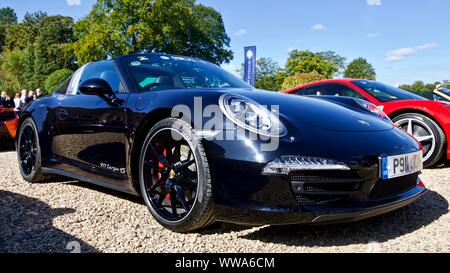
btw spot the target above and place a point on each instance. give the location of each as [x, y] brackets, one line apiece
[287, 216]
[242, 194]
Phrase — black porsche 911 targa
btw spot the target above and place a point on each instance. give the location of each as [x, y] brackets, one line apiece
[201, 146]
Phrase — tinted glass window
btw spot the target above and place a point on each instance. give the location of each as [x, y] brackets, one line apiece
[445, 91]
[63, 88]
[162, 72]
[330, 90]
[386, 93]
[103, 70]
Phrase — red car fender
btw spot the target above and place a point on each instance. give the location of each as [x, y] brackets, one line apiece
[11, 126]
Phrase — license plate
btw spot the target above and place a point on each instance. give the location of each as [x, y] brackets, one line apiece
[401, 165]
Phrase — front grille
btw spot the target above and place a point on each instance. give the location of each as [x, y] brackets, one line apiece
[391, 187]
[7, 116]
[324, 187]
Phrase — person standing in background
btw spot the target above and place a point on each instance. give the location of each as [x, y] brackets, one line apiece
[6, 100]
[23, 99]
[31, 97]
[8, 103]
[39, 93]
[2, 97]
[17, 101]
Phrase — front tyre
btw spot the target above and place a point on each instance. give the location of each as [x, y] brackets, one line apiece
[29, 152]
[174, 177]
[427, 132]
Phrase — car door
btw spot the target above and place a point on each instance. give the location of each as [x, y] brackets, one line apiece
[91, 131]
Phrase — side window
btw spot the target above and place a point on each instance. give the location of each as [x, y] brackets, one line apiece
[106, 71]
[342, 90]
[63, 88]
[331, 90]
[317, 90]
[72, 89]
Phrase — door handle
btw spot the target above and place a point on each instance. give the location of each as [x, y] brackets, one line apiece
[63, 114]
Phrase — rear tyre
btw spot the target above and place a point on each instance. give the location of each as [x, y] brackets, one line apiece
[174, 177]
[29, 153]
[427, 132]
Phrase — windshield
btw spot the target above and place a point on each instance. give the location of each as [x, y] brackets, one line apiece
[386, 93]
[151, 72]
[445, 91]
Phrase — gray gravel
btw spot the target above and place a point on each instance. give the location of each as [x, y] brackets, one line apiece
[74, 216]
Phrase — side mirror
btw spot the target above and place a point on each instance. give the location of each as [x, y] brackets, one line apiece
[97, 87]
[102, 89]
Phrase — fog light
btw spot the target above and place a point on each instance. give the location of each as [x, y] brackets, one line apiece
[286, 164]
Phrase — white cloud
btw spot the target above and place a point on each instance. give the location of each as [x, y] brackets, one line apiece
[399, 54]
[427, 46]
[402, 53]
[372, 35]
[374, 2]
[73, 2]
[319, 27]
[240, 32]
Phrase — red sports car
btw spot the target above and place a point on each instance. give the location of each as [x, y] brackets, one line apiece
[428, 121]
[8, 126]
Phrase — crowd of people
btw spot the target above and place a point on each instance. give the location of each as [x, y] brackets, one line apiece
[20, 100]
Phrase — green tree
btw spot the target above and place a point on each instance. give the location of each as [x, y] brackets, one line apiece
[19, 36]
[24, 34]
[335, 58]
[34, 19]
[52, 49]
[8, 82]
[300, 79]
[118, 27]
[266, 74]
[446, 83]
[56, 79]
[406, 87]
[360, 68]
[13, 65]
[418, 86]
[7, 17]
[305, 61]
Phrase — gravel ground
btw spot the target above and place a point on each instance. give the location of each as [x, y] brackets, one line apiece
[74, 216]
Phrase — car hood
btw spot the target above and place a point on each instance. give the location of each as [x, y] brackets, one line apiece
[316, 112]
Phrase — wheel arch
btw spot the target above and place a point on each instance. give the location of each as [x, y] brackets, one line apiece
[416, 111]
[22, 118]
[428, 115]
[138, 140]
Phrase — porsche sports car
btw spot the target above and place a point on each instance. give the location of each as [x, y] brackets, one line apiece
[428, 121]
[8, 125]
[200, 145]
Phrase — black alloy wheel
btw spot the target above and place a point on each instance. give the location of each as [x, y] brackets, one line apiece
[174, 177]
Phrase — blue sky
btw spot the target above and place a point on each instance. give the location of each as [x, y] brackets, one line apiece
[405, 40]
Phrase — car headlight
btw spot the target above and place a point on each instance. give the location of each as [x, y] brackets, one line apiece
[251, 116]
[377, 110]
[286, 164]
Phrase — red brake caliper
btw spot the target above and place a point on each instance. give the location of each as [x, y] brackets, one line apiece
[161, 166]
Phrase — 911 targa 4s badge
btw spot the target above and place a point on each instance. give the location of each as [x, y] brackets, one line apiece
[200, 145]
